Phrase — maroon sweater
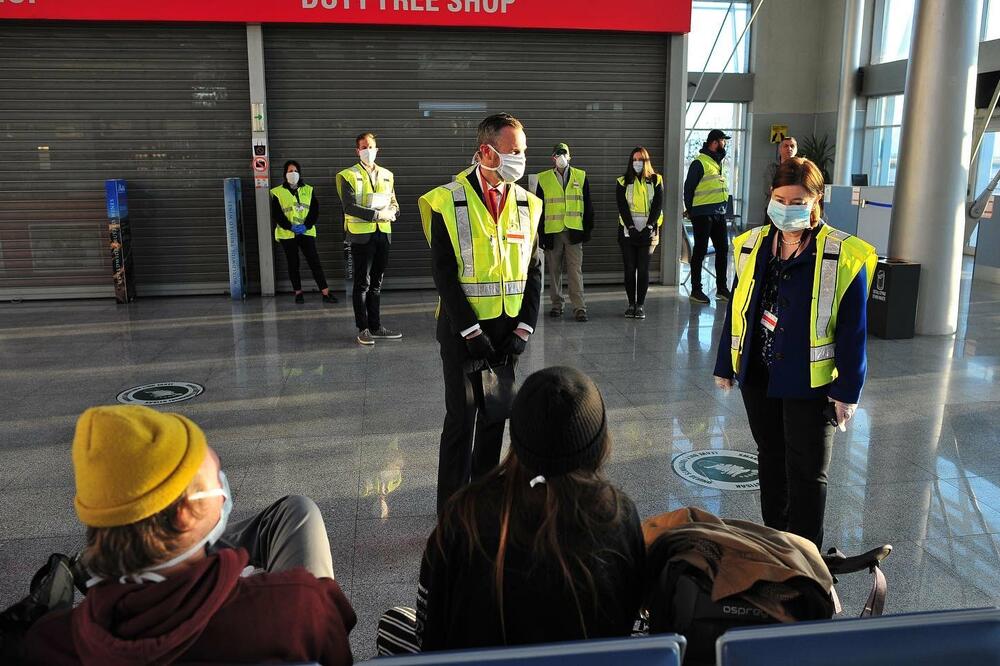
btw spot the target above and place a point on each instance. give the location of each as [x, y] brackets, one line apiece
[206, 613]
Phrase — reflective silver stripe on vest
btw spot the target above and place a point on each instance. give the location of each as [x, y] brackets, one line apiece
[523, 212]
[463, 228]
[746, 249]
[514, 287]
[359, 189]
[827, 283]
[481, 288]
[712, 191]
[821, 353]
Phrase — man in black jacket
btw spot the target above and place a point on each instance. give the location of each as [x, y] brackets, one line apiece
[706, 195]
[482, 229]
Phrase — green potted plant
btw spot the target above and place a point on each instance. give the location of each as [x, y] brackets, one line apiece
[820, 152]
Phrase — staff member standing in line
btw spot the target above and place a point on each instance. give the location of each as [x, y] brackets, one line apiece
[294, 212]
[640, 216]
[367, 193]
[482, 229]
[794, 339]
[567, 223]
[706, 195]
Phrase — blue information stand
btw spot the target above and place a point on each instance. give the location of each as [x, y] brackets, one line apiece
[120, 236]
[235, 239]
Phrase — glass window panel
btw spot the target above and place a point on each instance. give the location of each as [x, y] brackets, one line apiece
[897, 30]
[731, 119]
[992, 27]
[706, 17]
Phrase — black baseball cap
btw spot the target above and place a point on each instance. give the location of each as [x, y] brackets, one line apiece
[715, 135]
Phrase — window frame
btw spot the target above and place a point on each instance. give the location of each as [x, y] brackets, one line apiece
[748, 4]
[740, 136]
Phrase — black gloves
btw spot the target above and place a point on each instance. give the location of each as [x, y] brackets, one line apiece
[480, 347]
[514, 344]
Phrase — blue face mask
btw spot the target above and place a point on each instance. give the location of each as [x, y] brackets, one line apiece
[789, 217]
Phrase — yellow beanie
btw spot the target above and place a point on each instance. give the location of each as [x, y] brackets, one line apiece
[132, 462]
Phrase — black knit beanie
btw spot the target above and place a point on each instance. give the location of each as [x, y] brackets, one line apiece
[558, 423]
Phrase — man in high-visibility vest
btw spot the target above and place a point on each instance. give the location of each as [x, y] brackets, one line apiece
[368, 195]
[706, 196]
[482, 229]
[567, 222]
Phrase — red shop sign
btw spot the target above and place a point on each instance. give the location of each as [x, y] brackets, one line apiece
[660, 16]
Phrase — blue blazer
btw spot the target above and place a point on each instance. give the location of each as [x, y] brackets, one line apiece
[789, 373]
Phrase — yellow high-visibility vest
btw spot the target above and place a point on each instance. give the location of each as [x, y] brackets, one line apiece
[295, 210]
[563, 206]
[639, 195]
[380, 182]
[839, 258]
[492, 256]
[712, 188]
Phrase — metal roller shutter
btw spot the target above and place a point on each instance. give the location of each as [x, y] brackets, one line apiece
[165, 107]
[423, 92]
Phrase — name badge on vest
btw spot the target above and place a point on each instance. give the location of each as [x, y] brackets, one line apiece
[299, 208]
[576, 184]
[769, 320]
[515, 235]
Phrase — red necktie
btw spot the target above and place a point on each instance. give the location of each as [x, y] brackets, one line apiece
[494, 197]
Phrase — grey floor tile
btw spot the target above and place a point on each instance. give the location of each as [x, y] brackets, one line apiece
[293, 405]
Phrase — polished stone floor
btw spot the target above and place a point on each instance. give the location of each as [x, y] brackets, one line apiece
[293, 405]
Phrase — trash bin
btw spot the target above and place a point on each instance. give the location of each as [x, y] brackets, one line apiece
[892, 305]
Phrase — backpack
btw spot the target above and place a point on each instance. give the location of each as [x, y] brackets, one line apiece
[52, 588]
[682, 602]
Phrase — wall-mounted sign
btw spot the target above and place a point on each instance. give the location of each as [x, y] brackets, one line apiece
[660, 16]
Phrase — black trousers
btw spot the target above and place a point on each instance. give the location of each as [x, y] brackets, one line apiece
[794, 446]
[635, 256]
[307, 244]
[370, 261]
[705, 227]
[470, 443]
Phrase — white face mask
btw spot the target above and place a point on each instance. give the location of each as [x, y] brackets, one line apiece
[562, 161]
[150, 575]
[511, 167]
[292, 177]
[368, 155]
[637, 165]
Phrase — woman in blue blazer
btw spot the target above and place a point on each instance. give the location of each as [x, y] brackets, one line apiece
[794, 341]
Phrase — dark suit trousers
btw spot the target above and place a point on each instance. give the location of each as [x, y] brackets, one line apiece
[470, 444]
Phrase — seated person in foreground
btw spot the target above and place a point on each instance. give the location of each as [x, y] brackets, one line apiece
[171, 578]
[541, 549]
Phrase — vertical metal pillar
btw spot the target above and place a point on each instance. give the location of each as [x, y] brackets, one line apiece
[928, 215]
[850, 62]
[673, 159]
[258, 96]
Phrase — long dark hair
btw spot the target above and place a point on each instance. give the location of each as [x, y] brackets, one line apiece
[648, 172]
[556, 521]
